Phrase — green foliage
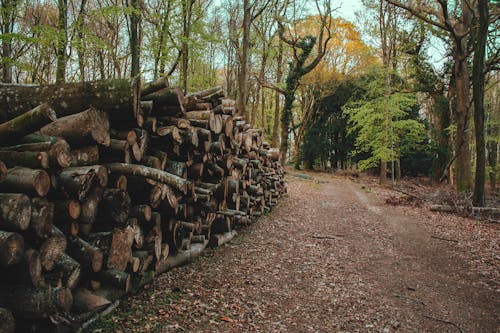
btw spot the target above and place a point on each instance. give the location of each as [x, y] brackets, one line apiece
[406, 134]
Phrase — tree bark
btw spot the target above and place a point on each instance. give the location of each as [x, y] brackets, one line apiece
[86, 254]
[25, 180]
[478, 78]
[11, 248]
[35, 303]
[27, 159]
[114, 96]
[82, 128]
[26, 123]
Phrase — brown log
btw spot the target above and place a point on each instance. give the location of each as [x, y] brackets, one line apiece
[158, 84]
[85, 156]
[165, 250]
[89, 207]
[154, 237]
[135, 233]
[7, 323]
[195, 171]
[42, 217]
[52, 248]
[203, 93]
[180, 123]
[115, 206]
[182, 257]
[166, 102]
[28, 159]
[221, 239]
[176, 168]
[30, 181]
[86, 254]
[120, 249]
[170, 132]
[36, 302]
[147, 109]
[77, 181]
[27, 272]
[115, 96]
[57, 149]
[154, 174]
[15, 211]
[3, 171]
[152, 162]
[115, 278]
[11, 248]
[227, 120]
[89, 126]
[68, 270]
[141, 212]
[150, 124]
[68, 209]
[85, 301]
[26, 123]
[118, 150]
[145, 259]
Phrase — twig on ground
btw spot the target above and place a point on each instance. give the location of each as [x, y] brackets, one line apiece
[444, 239]
[327, 237]
[445, 322]
[409, 299]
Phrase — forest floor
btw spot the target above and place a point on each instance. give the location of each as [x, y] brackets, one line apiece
[333, 256]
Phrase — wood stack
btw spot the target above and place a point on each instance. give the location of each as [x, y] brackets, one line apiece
[101, 189]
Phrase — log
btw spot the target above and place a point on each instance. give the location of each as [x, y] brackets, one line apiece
[115, 96]
[154, 174]
[89, 126]
[36, 302]
[221, 239]
[89, 207]
[7, 323]
[52, 249]
[145, 259]
[68, 271]
[154, 237]
[156, 85]
[15, 211]
[77, 181]
[176, 168]
[26, 123]
[136, 234]
[24, 180]
[27, 272]
[68, 209]
[115, 207]
[180, 123]
[11, 248]
[115, 278]
[181, 257]
[120, 250]
[58, 150]
[28, 159]
[166, 102]
[42, 218]
[3, 171]
[85, 301]
[86, 254]
[141, 213]
[85, 156]
[203, 93]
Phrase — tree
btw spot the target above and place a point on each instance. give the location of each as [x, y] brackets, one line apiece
[62, 40]
[478, 78]
[302, 48]
[8, 14]
[458, 28]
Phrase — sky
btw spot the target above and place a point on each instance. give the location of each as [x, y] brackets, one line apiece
[348, 8]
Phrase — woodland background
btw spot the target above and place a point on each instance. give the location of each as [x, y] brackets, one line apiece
[373, 94]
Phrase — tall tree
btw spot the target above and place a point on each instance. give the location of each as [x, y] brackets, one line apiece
[440, 16]
[8, 14]
[62, 40]
[478, 78]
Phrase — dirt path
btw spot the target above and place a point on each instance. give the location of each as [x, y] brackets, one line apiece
[332, 258]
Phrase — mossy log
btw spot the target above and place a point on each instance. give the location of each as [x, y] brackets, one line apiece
[33, 182]
[11, 248]
[26, 123]
[15, 211]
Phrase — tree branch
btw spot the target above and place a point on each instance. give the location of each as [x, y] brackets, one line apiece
[418, 13]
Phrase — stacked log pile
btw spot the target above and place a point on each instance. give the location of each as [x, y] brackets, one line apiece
[103, 185]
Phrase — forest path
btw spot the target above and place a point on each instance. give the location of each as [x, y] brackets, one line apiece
[332, 257]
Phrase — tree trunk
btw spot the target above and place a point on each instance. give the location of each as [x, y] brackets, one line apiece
[135, 37]
[245, 46]
[62, 41]
[42, 217]
[276, 122]
[478, 77]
